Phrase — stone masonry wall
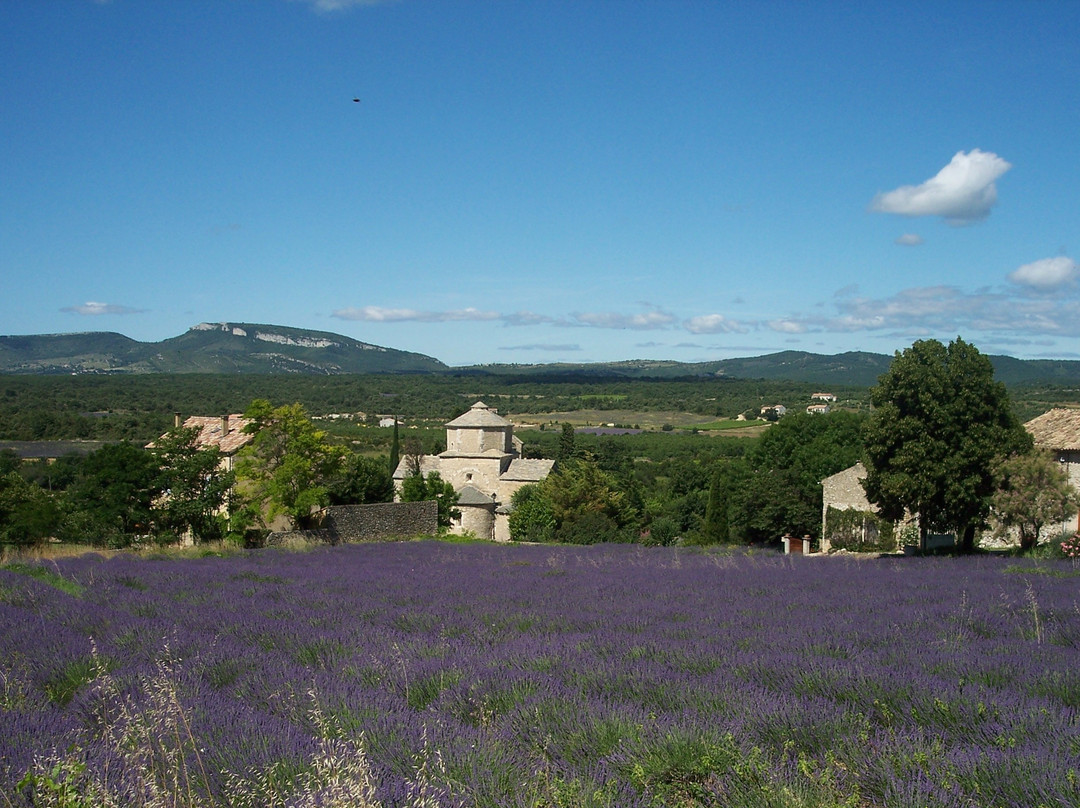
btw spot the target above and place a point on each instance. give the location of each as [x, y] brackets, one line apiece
[382, 520]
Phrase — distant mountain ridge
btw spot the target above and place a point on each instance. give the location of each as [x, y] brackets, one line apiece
[209, 348]
[853, 369]
[264, 349]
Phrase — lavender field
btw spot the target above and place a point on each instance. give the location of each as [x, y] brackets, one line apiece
[433, 674]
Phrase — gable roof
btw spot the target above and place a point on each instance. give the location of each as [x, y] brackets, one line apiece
[211, 434]
[1057, 429]
[856, 472]
[479, 415]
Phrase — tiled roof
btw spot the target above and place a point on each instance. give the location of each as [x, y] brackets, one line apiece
[210, 433]
[470, 495]
[428, 464]
[480, 414]
[1057, 429]
[858, 472]
[530, 471]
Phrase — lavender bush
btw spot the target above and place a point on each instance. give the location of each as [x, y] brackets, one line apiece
[448, 674]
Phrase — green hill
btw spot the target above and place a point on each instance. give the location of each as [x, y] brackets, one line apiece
[209, 348]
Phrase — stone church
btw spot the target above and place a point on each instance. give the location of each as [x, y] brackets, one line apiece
[483, 463]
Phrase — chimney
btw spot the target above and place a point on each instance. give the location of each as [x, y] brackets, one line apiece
[224, 425]
[176, 419]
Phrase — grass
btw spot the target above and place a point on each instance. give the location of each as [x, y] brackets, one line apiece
[53, 579]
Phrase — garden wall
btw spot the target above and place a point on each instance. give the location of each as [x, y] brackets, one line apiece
[352, 523]
[382, 520]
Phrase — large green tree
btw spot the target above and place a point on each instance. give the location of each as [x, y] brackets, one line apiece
[362, 480]
[196, 487]
[286, 468]
[531, 518]
[585, 500]
[116, 490]
[781, 493]
[939, 426]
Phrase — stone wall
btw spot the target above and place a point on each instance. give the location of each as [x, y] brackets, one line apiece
[382, 520]
[352, 523]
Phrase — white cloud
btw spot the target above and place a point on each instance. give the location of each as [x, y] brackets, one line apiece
[340, 5]
[93, 309]
[377, 314]
[786, 326]
[909, 240]
[714, 324]
[1047, 274]
[962, 192]
[569, 346]
[644, 321]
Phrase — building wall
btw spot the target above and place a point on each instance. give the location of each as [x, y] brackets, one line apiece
[843, 491]
[479, 472]
[472, 440]
[478, 521]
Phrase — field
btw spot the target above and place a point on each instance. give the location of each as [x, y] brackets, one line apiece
[428, 673]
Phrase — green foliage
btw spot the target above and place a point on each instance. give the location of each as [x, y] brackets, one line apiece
[532, 518]
[579, 487]
[662, 532]
[28, 514]
[566, 442]
[287, 467]
[591, 527]
[395, 450]
[939, 426]
[782, 491]
[362, 480]
[717, 527]
[9, 461]
[417, 488]
[116, 490]
[1033, 492]
[859, 531]
[196, 487]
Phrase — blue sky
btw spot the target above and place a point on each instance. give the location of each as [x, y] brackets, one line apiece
[546, 181]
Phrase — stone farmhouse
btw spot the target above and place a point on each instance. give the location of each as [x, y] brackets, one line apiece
[1058, 432]
[225, 432]
[483, 463]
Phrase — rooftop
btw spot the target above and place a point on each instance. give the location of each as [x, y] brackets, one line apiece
[1057, 429]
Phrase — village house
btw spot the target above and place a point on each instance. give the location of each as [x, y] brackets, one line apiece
[1058, 432]
[225, 433]
[483, 463]
[822, 397]
[817, 409]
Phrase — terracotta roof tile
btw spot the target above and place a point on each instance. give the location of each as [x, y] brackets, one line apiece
[1057, 429]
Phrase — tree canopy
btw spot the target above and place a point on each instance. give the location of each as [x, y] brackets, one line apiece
[288, 465]
[939, 425]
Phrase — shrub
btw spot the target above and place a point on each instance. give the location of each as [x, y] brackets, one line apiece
[859, 531]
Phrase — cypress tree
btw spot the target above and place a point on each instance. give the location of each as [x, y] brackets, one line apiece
[395, 450]
[716, 512]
